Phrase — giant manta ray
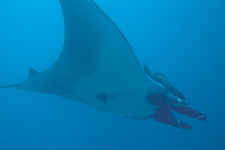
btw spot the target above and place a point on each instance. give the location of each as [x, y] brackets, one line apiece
[98, 67]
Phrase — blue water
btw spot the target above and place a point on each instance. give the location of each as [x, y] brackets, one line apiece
[183, 39]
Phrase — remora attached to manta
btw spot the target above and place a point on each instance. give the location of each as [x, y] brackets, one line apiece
[98, 67]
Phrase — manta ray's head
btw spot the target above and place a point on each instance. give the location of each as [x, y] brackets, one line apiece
[168, 102]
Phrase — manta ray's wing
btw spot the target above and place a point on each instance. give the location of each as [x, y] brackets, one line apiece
[96, 56]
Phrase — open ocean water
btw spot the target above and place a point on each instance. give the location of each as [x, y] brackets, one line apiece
[183, 39]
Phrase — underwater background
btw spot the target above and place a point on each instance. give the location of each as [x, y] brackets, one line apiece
[183, 39]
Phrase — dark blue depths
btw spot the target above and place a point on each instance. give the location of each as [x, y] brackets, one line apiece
[183, 39]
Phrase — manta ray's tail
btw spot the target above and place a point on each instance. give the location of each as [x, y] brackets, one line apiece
[8, 86]
[32, 73]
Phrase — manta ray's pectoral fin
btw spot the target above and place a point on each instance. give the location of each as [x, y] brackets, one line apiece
[190, 113]
[164, 115]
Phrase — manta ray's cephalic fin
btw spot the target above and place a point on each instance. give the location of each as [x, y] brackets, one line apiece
[190, 113]
[164, 115]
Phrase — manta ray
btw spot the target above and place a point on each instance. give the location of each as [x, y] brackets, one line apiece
[98, 67]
